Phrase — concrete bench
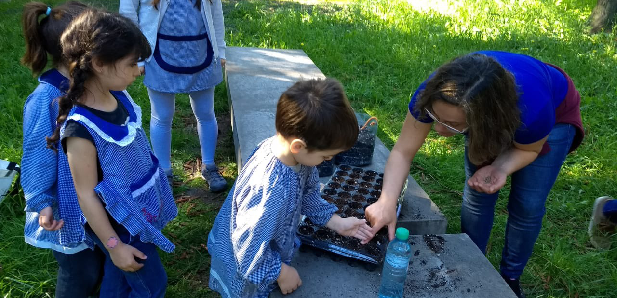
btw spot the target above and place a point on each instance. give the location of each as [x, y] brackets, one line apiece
[442, 266]
[256, 78]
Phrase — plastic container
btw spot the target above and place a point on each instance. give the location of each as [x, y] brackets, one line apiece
[361, 153]
[351, 190]
[395, 266]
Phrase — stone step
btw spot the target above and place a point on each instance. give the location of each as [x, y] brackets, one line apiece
[442, 266]
[256, 78]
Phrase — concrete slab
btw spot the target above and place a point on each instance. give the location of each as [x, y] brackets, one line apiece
[255, 80]
[455, 269]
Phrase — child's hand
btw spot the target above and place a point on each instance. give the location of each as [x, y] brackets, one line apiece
[288, 280]
[142, 70]
[47, 221]
[123, 256]
[351, 226]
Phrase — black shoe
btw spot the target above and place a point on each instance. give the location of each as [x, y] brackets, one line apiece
[216, 182]
[515, 285]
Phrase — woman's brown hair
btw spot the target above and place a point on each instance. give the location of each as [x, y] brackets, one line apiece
[43, 37]
[487, 93]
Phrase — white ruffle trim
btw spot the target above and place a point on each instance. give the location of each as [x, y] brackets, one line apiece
[56, 247]
[132, 126]
[136, 108]
[146, 186]
[128, 139]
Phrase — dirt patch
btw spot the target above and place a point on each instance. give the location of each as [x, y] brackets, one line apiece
[436, 280]
[214, 199]
[193, 167]
[224, 124]
[435, 243]
[224, 142]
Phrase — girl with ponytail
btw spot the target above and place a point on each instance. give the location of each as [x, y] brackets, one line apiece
[124, 199]
[80, 266]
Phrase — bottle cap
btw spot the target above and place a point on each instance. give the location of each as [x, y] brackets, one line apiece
[402, 234]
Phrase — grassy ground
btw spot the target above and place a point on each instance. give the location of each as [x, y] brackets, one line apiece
[381, 51]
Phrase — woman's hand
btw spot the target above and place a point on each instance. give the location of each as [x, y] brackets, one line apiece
[492, 178]
[381, 214]
[123, 256]
[488, 179]
[351, 226]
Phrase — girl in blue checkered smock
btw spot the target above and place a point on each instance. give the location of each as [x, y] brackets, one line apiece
[187, 40]
[47, 224]
[253, 239]
[122, 191]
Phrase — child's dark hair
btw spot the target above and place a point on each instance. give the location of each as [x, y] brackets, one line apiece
[43, 37]
[487, 93]
[94, 36]
[317, 112]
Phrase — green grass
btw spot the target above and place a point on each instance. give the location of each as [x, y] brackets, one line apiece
[380, 51]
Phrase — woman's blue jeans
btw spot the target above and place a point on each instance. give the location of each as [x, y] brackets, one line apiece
[530, 187]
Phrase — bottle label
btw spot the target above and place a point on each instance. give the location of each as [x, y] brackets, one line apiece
[397, 262]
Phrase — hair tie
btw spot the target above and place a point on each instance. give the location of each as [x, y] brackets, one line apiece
[48, 11]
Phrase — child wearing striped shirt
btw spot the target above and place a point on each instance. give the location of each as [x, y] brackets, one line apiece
[123, 195]
[253, 239]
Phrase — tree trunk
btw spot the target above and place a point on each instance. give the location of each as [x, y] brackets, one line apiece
[603, 16]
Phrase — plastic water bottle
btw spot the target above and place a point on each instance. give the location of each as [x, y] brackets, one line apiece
[395, 266]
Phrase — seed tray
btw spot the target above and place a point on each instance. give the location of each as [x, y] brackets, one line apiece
[352, 190]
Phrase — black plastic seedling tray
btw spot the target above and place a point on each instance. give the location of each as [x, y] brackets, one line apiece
[351, 189]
